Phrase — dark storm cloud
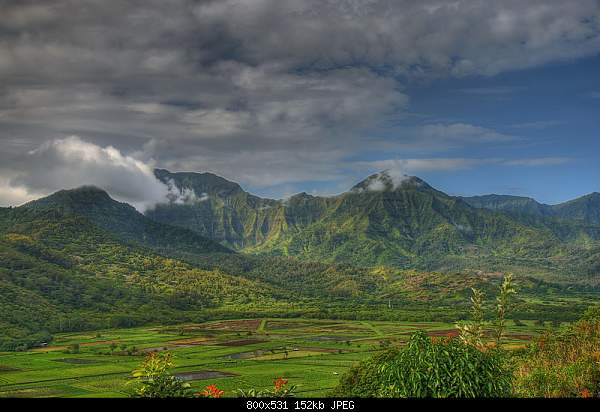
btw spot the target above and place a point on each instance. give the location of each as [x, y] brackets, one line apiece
[263, 91]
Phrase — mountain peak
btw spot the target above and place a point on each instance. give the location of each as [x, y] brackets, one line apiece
[87, 190]
[124, 221]
[199, 182]
[76, 198]
[388, 180]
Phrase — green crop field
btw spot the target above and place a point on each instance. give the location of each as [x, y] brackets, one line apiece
[233, 354]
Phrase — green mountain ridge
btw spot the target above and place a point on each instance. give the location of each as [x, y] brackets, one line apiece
[72, 261]
[585, 209]
[385, 220]
[125, 221]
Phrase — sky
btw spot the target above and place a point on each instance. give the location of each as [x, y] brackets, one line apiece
[285, 96]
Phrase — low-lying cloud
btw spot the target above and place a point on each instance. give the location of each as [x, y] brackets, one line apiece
[183, 195]
[72, 162]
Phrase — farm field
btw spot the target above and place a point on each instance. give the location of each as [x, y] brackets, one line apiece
[233, 354]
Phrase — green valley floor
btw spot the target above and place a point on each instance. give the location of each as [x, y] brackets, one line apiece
[232, 354]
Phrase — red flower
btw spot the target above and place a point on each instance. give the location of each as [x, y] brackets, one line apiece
[279, 383]
[211, 391]
[585, 393]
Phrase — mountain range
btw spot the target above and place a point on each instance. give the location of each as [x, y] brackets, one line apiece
[585, 209]
[388, 248]
[384, 220]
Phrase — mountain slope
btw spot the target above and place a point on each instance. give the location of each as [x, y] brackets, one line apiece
[585, 209]
[59, 271]
[383, 220]
[123, 220]
[222, 211]
[512, 204]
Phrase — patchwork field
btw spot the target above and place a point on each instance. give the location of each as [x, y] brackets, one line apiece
[235, 354]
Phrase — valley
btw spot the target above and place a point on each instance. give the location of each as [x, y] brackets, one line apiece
[242, 290]
[233, 354]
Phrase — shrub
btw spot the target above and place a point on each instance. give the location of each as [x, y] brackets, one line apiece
[563, 364]
[461, 367]
[428, 368]
[364, 379]
[153, 379]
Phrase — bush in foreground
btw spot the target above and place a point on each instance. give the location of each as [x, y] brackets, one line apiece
[153, 380]
[563, 364]
[430, 368]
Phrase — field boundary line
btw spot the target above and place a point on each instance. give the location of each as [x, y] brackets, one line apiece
[373, 328]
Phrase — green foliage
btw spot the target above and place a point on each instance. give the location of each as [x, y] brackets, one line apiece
[472, 333]
[59, 272]
[446, 369]
[592, 314]
[502, 306]
[441, 368]
[153, 380]
[78, 260]
[430, 368]
[364, 380]
[124, 221]
[562, 364]
[411, 226]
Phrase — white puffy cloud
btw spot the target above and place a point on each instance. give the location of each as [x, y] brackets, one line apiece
[71, 162]
[183, 195]
[389, 179]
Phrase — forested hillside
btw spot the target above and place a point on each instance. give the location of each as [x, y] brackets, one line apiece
[124, 221]
[583, 210]
[405, 224]
[60, 271]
